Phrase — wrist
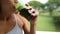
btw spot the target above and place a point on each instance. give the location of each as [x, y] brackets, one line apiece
[32, 23]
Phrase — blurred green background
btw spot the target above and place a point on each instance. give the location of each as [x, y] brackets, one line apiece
[49, 14]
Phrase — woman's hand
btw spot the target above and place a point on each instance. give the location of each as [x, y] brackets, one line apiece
[33, 12]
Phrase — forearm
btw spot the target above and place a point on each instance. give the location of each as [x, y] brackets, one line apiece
[33, 29]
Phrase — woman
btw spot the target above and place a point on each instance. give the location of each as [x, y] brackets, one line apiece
[11, 23]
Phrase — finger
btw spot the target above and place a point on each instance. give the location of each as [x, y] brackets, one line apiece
[27, 4]
[31, 11]
[34, 13]
[29, 8]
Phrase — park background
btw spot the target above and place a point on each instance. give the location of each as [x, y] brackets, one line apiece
[49, 13]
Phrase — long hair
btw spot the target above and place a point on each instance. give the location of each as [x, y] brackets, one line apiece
[0, 10]
[0, 6]
[10, 8]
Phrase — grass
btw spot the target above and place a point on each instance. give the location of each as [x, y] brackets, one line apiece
[44, 23]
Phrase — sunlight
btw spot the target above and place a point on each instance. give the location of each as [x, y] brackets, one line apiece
[43, 1]
[26, 1]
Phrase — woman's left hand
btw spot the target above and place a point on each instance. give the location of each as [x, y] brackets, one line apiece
[33, 12]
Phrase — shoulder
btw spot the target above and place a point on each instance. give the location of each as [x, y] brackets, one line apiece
[20, 17]
[21, 20]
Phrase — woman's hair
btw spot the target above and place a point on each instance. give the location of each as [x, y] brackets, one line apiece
[0, 7]
[0, 3]
[9, 5]
[0, 10]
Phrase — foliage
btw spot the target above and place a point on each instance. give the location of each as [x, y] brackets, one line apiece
[56, 12]
[56, 18]
[36, 4]
[19, 6]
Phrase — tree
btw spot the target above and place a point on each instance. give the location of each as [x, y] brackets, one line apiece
[19, 6]
[52, 4]
[56, 18]
[54, 9]
[36, 4]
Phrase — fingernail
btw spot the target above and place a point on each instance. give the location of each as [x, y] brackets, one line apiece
[33, 12]
[26, 5]
[30, 9]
